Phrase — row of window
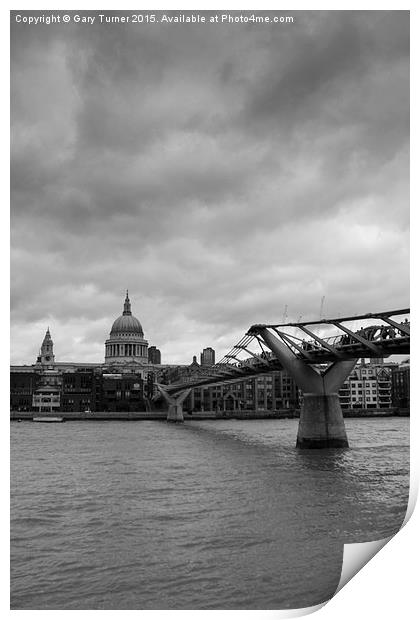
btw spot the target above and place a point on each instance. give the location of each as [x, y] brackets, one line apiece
[367, 384]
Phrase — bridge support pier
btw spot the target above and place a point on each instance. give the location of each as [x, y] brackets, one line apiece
[321, 423]
[174, 402]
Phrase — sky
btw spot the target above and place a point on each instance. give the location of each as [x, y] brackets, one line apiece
[225, 174]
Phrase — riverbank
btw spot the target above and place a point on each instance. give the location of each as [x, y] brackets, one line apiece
[201, 415]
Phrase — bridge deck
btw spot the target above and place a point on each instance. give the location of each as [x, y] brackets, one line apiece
[369, 341]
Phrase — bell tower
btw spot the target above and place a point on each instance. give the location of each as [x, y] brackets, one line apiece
[46, 353]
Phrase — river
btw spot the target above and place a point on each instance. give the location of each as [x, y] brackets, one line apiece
[221, 514]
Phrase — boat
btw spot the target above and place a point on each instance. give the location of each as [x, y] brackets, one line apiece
[47, 418]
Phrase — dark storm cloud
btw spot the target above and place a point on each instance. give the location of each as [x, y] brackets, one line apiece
[219, 172]
[329, 50]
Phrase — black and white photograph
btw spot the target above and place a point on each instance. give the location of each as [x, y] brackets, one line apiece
[210, 304]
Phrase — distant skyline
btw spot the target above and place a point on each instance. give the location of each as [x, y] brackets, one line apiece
[218, 172]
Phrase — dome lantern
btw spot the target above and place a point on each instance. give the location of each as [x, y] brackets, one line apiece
[127, 305]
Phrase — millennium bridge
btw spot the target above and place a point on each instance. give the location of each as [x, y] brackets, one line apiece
[319, 355]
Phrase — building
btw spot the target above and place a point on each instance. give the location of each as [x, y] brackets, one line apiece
[124, 382]
[286, 393]
[80, 389]
[208, 357]
[274, 391]
[400, 378]
[369, 386]
[154, 355]
[24, 382]
[126, 341]
[47, 396]
[123, 392]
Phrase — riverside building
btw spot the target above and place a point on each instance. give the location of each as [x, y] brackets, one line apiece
[121, 383]
[400, 378]
[369, 386]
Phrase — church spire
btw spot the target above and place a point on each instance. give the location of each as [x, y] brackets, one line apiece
[46, 354]
[127, 305]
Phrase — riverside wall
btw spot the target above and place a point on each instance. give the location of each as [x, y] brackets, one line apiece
[200, 415]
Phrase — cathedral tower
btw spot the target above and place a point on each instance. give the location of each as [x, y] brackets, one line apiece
[46, 353]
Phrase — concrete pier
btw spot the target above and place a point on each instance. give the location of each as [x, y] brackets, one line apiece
[174, 402]
[321, 423]
[175, 413]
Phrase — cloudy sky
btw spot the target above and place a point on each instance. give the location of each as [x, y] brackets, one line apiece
[219, 172]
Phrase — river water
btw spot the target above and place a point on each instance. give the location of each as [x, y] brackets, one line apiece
[222, 514]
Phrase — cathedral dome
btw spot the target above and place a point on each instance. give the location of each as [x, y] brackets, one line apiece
[126, 343]
[127, 323]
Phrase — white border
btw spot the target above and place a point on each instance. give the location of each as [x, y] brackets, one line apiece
[387, 586]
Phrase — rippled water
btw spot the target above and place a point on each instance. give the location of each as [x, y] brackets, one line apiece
[222, 514]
